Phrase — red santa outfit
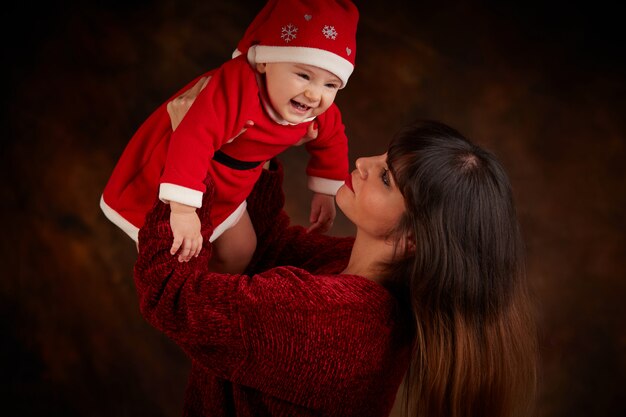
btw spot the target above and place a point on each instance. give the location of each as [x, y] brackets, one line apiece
[231, 127]
[295, 337]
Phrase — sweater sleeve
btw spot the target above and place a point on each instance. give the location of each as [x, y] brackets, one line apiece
[216, 116]
[199, 310]
[280, 243]
[195, 309]
[291, 334]
[328, 164]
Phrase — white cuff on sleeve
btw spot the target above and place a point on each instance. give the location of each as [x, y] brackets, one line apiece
[324, 185]
[172, 192]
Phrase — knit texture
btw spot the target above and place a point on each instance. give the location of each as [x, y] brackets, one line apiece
[293, 337]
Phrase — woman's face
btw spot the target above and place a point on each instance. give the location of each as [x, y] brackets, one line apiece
[370, 197]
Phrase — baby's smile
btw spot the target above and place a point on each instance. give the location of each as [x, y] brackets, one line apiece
[299, 106]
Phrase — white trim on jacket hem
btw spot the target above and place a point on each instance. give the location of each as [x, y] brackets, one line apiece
[230, 221]
[115, 218]
[133, 231]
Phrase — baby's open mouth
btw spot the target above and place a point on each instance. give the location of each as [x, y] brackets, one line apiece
[299, 106]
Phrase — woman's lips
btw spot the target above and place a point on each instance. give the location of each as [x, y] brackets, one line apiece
[349, 182]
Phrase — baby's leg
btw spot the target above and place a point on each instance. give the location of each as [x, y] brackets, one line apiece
[233, 250]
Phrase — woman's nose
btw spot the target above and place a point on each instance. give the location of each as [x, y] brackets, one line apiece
[361, 166]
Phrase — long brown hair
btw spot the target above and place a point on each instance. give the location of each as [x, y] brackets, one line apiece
[463, 281]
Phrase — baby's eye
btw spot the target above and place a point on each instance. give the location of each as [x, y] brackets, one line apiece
[385, 177]
[303, 75]
[332, 86]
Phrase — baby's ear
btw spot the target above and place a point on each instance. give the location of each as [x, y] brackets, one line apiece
[260, 66]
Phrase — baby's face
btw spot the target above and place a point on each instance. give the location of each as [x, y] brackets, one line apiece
[298, 91]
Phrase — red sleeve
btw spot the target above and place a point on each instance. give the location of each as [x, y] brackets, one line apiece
[328, 163]
[218, 114]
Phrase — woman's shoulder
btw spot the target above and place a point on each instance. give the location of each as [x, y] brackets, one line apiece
[300, 290]
[320, 333]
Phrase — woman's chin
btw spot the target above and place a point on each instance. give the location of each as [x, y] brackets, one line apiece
[341, 198]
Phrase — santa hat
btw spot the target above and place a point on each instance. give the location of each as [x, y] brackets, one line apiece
[321, 33]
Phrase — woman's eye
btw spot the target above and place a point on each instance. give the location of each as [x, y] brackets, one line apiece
[385, 177]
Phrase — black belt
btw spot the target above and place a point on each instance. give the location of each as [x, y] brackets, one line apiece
[233, 163]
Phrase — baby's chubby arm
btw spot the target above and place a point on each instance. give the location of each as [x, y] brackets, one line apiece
[185, 225]
[327, 167]
[323, 210]
[184, 221]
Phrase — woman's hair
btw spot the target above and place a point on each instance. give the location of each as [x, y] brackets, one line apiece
[463, 281]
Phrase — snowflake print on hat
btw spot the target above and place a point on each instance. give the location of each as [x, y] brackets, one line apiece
[330, 32]
[321, 33]
[289, 32]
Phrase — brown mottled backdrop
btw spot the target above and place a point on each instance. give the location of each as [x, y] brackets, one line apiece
[541, 86]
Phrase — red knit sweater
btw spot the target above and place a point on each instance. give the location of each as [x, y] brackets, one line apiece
[296, 340]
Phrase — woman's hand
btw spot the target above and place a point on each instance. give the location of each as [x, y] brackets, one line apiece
[178, 108]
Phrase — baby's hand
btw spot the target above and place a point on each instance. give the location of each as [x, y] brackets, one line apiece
[322, 213]
[312, 132]
[185, 225]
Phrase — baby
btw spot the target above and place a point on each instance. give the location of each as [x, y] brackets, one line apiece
[280, 84]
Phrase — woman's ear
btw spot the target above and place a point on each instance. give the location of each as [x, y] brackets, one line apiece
[409, 242]
[260, 66]
[404, 245]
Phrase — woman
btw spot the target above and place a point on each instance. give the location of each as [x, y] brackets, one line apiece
[431, 289]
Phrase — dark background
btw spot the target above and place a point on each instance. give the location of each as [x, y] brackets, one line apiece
[542, 86]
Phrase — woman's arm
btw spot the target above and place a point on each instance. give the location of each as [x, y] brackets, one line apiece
[279, 243]
[197, 310]
[248, 329]
[272, 331]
